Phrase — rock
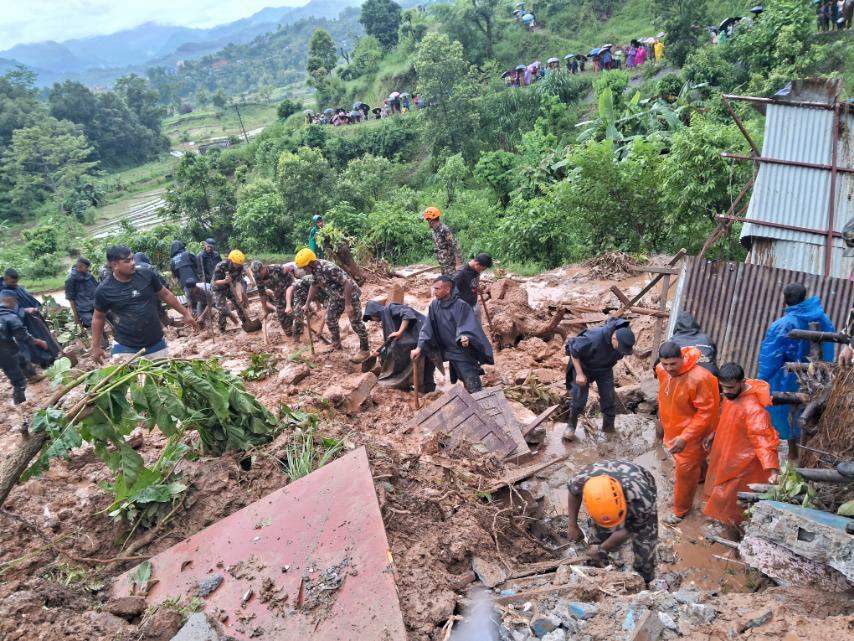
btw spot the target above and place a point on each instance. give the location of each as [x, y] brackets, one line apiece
[293, 373]
[198, 628]
[521, 376]
[126, 607]
[632, 618]
[699, 614]
[648, 628]
[548, 376]
[352, 393]
[162, 625]
[668, 622]
[208, 585]
[581, 610]
[542, 624]
[563, 575]
[756, 619]
[558, 634]
[687, 597]
[490, 574]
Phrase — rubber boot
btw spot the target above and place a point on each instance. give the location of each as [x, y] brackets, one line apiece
[608, 424]
[571, 426]
[18, 396]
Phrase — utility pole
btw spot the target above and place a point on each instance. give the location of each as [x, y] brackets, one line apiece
[245, 137]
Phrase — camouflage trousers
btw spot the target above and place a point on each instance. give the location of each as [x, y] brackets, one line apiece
[300, 295]
[643, 545]
[285, 320]
[220, 301]
[447, 265]
[336, 308]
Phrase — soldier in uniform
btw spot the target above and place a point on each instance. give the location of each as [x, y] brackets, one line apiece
[343, 294]
[226, 273]
[295, 298]
[444, 243]
[275, 280]
[620, 500]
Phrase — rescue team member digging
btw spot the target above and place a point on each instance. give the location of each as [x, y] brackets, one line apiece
[619, 498]
[452, 332]
[446, 247]
[401, 327]
[343, 295]
[744, 445]
[688, 403]
[225, 277]
[275, 280]
[13, 334]
[130, 297]
[592, 356]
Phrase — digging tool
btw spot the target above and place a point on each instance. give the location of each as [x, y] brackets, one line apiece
[369, 363]
[415, 381]
[310, 334]
[486, 311]
[252, 325]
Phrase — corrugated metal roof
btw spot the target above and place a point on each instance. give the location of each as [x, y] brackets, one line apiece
[798, 195]
[736, 302]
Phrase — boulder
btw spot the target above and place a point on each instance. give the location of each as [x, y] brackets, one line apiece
[352, 393]
[293, 373]
[490, 574]
[126, 607]
[198, 628]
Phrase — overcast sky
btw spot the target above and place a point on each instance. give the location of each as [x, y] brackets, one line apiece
[24, 21]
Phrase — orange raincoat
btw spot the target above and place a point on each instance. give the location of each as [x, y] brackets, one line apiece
[744, 451]
[688, 408]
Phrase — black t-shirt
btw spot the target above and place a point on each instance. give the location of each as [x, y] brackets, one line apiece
[466, 281]
[134, 308]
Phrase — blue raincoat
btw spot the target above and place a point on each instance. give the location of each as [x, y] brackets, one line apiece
[778, 348]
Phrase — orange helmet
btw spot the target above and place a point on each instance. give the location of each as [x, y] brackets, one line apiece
[604, 501]
[431, 213]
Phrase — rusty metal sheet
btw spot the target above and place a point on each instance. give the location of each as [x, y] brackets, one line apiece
[459, 416]
[494, 403]
[735, 303]
[314, 555]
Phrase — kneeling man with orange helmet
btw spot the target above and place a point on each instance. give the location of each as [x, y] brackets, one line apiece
[619, 498]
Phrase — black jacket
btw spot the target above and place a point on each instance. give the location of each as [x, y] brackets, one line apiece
[593, 346]
[687, 333]
[207, 263]
[80, 289]
[182, 263]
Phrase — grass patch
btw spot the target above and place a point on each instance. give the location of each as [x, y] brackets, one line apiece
[204, 124]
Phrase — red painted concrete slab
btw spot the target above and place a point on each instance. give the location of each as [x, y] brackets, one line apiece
[314, 555]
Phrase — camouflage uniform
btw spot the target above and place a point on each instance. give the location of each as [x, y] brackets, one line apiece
[277, 280]
[331, 279]
[447, 250]
[642, 513]
[221, 295]
[301, 288]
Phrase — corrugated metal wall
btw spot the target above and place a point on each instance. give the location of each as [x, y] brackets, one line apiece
[736, 302]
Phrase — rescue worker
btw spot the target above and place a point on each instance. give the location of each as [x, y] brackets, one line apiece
[451, 333]
[687, 333]
[619, 498]
[225, 278]
[199, 298]
[13, 335]
[846, 355]
[28, 311]
[744, 445]
[467, 280]
[208, 259]
[141, 261]
[343, 294]
[688, 401]
[446, 247]
[401, 327]
[777, 349]
[316, 225]
[273, 282]
[80, 292]
[183, 264]
[592, 356]
[296, 296]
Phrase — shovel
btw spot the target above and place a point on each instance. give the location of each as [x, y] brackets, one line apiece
[252, 325]
[370, 362]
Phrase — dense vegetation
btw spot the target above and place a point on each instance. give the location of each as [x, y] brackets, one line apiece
[539, 176]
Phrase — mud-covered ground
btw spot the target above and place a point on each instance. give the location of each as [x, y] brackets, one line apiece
[57, 547]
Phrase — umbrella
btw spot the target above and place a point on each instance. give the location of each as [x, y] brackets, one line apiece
[355, 114]
[757, 9]
[647, 41]
[551, 60]
[393, 95]
[727, 22]
[329, 110]
[581, 56]
[506, 73]
[519, 4]
[569, 56]
[376, 110]
[518, 12]
[660, 34]
[608, 46]
[404, 94]
[593, 52]
[521, 67]
[357, 105]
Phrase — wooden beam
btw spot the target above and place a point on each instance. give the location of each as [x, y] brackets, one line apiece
[537, 421]
[673, 261]
[621, 296]
[521, 475]
[652, 269]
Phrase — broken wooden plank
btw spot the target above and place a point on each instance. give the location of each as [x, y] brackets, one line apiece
[530, 427]
[530, 569]
[403, 273]
[627, 303]
[522, 474]
[654, 269]
[679, 255]
[495, 404]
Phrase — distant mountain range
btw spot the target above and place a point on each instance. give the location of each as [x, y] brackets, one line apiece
[98, 60]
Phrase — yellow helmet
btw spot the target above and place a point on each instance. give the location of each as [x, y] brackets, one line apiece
[237, 257]
[304, 257]
[431, 213]
[605, 501]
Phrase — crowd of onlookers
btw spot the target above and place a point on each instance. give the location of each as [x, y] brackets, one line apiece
[396, 103]
[604, 58]
[833, 15]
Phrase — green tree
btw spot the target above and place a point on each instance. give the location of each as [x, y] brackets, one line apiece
[306, 182]
[381, 19]
[366, 180]
[19, 106]
[452, 176]
[219, 99]
[142, 99]
[683, 21]
[321, 54]
[287, 108]
[366, 56]
[260, 220]
[46, 162]
[202, 196]
[443, 80]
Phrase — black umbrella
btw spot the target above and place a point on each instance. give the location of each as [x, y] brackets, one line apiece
[726, 23]
[757, 9]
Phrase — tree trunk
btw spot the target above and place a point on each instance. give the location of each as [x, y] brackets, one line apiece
[18, 461]
[342, 256]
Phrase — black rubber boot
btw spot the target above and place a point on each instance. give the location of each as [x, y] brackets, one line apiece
[573, 419]
[18, 396]
[608, 424]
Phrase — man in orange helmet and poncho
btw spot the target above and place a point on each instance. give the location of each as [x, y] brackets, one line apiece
[619, 498]
[744, 445]
[688, 401]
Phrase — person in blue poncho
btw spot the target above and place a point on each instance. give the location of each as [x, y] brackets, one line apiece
[778, 349]
[316, 226]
